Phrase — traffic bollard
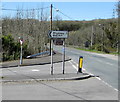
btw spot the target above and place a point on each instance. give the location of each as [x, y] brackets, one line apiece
[80, 64]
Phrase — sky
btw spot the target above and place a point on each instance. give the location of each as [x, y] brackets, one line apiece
[70, 10]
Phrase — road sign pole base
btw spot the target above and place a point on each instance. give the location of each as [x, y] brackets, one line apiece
[63, 72]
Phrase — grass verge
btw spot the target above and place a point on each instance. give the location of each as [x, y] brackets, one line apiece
[90, 50]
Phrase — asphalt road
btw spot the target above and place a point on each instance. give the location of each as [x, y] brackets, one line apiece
[103, 65]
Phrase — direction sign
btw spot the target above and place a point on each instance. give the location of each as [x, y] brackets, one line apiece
[58, 34]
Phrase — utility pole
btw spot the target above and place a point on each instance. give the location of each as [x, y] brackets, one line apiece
[50, 24]
[51, 42]
[63, 56]
[103, 27]
[92, 37]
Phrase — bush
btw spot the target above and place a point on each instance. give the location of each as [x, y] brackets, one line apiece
[11, 49]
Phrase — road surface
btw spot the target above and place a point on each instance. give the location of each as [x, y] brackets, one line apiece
[87, 89]
[102, 65]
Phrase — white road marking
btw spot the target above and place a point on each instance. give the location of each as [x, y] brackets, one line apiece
[109, 63]
[92, 74]
[73, 65]
[35, 70]
[107, 84]
[74, 62]
[105, 62]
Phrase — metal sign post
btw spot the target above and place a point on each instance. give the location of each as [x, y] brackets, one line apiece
[51, 56]
[21, 56]
[60, 35]
[21, 42]
[63, 56]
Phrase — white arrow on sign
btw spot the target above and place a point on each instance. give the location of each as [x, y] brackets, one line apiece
[58, 34]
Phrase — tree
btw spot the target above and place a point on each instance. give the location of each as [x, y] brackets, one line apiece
[11, 49]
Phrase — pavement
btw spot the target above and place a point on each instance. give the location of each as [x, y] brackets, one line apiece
[39, 60]
[33, 81]
[13, 72]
